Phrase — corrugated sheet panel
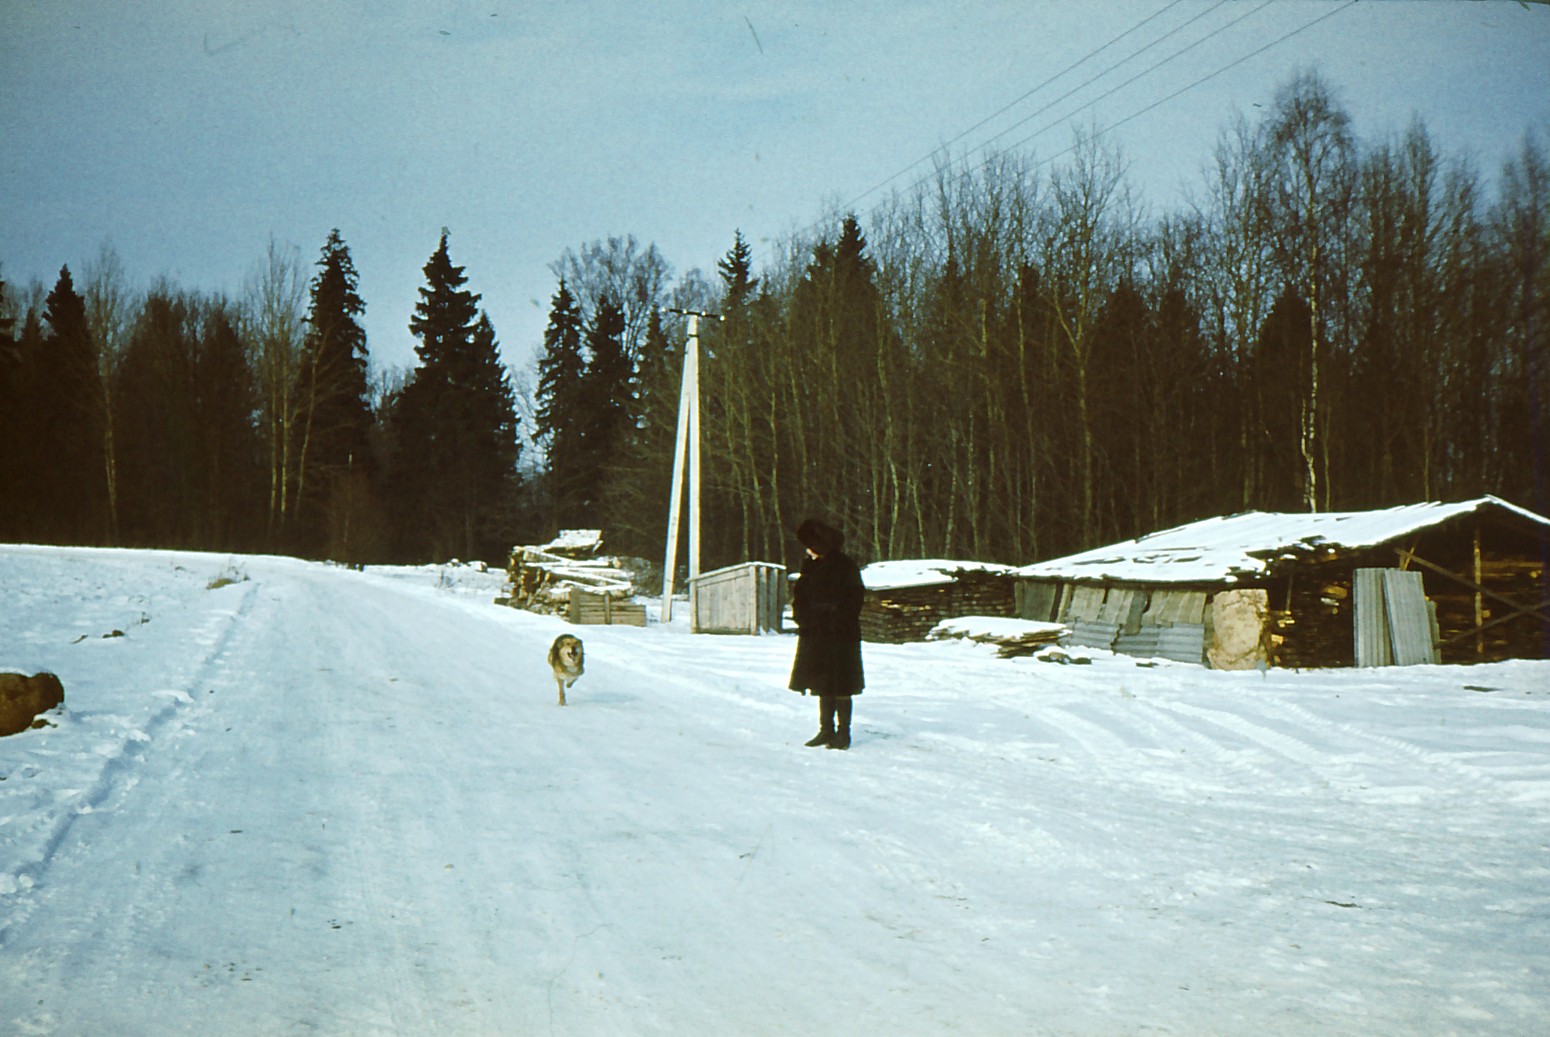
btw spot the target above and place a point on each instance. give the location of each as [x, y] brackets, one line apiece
[1409, 616]
[1370, 617]
[1092, 634]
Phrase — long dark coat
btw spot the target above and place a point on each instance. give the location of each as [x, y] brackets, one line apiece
[826, 604]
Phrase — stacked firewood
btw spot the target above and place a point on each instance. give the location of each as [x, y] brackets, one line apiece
[898, 615]
[1510, 627]
[540, 578]
[1311, 620]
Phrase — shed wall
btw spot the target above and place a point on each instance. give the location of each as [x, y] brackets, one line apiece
[740, 599]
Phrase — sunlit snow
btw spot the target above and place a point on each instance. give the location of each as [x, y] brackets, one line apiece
[293, 798]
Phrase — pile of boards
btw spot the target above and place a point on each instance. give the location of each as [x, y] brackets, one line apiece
[905, 599]
[569, 576]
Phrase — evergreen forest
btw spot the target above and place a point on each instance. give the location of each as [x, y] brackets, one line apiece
[1009, 360]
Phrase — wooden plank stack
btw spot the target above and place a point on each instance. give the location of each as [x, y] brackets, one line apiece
[588, 609]
[899, 615]
[1521, 580]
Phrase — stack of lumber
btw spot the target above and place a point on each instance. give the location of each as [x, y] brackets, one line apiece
[1316, 628]
[901, 610]
[541, 578]
[1012, 637]
[1512, 630]
[588, 609]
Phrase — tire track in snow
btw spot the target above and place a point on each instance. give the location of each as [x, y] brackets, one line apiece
[1299, 747]
[1204, 753]
[370, 901]
[116, 778]
[1469, 777]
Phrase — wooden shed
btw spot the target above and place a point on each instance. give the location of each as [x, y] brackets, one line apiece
[1459, 582]
[739, 599]
[906, 599]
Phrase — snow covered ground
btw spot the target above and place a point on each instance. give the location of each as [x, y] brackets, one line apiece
[296, 799]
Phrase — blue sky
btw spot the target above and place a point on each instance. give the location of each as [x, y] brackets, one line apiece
[188, 133]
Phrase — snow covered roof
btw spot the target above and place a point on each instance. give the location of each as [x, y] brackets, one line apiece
[922, 572]
[1228, 548]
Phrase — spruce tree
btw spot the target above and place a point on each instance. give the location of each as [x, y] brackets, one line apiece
[444, 317]
[456, 434]
[485, 420]
[340, 416]
[161, 442]
[733, 373]
[842, 422]
[609, 409]
[736, 269]
[66, 383]
[231, 483]
[560, 417]
[639, 522]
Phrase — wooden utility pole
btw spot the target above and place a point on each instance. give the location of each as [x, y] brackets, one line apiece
[686, 448]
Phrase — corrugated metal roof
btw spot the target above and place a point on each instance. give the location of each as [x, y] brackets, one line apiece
[1242, 546]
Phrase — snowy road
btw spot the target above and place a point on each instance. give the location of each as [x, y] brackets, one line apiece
[317, 801]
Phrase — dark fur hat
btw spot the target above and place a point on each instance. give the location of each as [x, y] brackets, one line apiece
[819, 537]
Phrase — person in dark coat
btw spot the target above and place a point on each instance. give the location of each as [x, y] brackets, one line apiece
[826, 604]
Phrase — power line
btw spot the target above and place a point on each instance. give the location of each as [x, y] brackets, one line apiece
[1202, 79]
[1126, 60]
[1012, 104]
[1074, 90]
[1134, 115]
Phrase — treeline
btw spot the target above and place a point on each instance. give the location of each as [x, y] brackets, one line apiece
[1009, 361]
[182, 420]
[1013, 363]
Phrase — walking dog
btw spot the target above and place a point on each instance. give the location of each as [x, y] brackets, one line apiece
[565, 659]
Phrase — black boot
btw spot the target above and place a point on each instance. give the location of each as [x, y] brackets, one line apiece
[825, 722]
[841, 739]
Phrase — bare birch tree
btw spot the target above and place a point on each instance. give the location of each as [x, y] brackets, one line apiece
[1311, 189]
[275, 332]
[1086, 244]
[110, 313]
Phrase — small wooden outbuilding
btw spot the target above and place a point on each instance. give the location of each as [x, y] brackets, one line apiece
[739, 599]
[1459, 582]
[905, 599]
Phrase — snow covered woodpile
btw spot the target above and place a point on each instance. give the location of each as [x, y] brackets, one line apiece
[1289, 589]
[541, 578]
[906, 599]
[1012, 637]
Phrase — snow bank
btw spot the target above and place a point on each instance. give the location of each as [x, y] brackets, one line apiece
[317, 800]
